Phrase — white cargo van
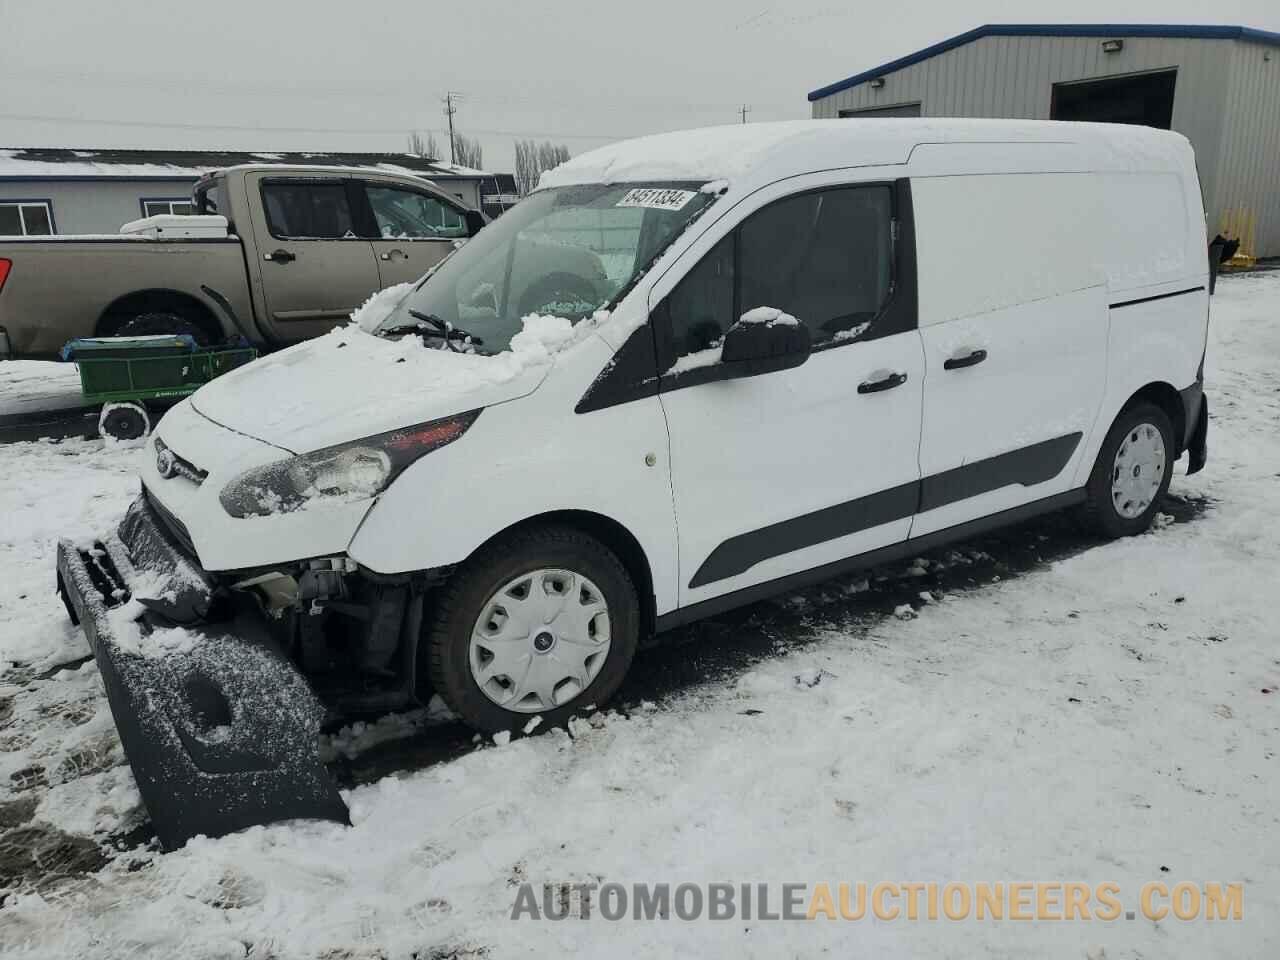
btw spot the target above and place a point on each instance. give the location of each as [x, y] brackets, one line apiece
[820, 345]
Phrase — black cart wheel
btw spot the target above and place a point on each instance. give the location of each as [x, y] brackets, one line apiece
[124, 421]
[541, 623]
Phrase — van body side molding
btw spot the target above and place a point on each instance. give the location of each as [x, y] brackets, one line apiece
[1159, 296]
[894, 551]
[1026, 466]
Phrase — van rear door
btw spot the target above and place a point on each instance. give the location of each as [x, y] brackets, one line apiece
[313, 266]
[1013, 319]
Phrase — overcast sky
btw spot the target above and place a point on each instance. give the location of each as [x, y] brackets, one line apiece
[248, 74]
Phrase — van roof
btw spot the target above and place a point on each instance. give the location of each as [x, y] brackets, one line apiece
[754, 154]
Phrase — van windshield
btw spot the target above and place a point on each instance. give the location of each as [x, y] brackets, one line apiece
[567, 251]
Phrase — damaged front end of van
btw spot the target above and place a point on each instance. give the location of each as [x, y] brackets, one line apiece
[218, 724]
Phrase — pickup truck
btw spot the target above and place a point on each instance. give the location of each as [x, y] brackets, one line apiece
[273, 253]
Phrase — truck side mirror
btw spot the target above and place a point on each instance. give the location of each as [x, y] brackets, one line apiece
[475, 222]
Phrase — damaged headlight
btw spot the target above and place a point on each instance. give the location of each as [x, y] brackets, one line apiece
[357, 470]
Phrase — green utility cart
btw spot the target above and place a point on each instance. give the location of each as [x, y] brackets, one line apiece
[131, 376]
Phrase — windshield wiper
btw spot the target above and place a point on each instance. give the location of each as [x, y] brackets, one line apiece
[429, 326]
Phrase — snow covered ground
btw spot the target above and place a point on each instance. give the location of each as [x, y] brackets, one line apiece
[1110, 715]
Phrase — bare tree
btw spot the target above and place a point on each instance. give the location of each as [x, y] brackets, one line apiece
[427, 148]
[467, 151]
[533, 159]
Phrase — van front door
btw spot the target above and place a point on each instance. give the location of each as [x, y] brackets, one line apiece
[788, 471]
[313, 267]
[1013, 318]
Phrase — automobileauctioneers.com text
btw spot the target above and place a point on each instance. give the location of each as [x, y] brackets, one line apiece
[884, 901]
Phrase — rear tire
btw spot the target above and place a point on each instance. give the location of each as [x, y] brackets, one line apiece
[160, 324]
[543, 602]
[1132, 472]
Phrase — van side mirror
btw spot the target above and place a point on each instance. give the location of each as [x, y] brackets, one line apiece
[475, 222]
[764, 341]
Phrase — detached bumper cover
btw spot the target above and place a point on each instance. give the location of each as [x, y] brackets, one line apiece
[219, 728]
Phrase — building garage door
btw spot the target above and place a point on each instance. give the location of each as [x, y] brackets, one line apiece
[1145, 98]
[900, 110]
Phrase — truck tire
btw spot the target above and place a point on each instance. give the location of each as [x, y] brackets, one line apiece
[1132, 473]
[156, 324]
[542, 623]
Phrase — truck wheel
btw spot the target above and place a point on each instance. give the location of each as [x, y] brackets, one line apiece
[124, 421]
[1132, 472]
[541, 623]
[159, 324]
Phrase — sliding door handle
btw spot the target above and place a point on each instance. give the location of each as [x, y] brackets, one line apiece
[970, 360]
[887, 383]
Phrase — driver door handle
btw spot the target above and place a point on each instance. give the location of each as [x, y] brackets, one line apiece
[971, 360]
[396, 254]
[280, 256]
[888, 383]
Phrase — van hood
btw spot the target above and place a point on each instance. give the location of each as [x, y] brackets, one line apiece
[351, 384]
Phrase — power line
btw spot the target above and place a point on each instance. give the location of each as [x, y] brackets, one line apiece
[260, 128]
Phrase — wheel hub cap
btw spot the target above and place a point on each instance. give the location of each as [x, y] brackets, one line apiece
[540, 640]
[1138, 470]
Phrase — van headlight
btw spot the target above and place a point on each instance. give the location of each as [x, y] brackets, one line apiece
[358, 470]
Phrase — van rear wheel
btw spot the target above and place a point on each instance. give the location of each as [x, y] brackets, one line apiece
[542, 623]
[1132, 472]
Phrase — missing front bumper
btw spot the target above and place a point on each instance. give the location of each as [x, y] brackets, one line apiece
[220, 728]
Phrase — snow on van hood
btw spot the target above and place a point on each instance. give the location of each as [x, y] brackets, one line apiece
[350, 384]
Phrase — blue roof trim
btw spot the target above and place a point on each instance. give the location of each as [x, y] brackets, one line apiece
[1173, 31]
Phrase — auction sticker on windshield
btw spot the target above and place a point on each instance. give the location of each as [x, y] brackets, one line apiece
[656, 198]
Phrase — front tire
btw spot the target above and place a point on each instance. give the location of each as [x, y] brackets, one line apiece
[539, 624]
[1132, 472]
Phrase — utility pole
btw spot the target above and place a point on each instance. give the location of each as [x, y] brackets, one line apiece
[449, 111]
[745, 109]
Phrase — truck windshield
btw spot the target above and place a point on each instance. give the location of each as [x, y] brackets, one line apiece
[566, 251]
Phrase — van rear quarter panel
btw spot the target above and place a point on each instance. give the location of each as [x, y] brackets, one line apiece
[1156, 256]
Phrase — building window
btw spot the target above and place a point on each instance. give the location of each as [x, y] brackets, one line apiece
[26, 218]
[179, 207]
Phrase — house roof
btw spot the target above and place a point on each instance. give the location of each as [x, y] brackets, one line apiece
[58, 163]
[1175, 31]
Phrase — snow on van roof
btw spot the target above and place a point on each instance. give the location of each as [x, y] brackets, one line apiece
[764, 152]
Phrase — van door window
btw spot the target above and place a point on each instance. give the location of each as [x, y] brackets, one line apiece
[300, 210]
[701, 305]
[825, 257]
[406, 214]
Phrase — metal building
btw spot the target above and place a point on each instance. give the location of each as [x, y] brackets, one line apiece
[1217, 85]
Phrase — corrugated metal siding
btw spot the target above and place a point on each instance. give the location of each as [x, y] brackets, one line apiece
[1014, 77]
[1249, 160]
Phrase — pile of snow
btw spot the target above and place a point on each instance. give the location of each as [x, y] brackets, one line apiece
[373, 312]
[769, 316]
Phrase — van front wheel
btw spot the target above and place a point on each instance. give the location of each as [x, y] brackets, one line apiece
[538, 624]
[1132, 472]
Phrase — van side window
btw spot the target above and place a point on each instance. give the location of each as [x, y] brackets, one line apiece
[311, 211]
[701, 305]
[826, 258]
